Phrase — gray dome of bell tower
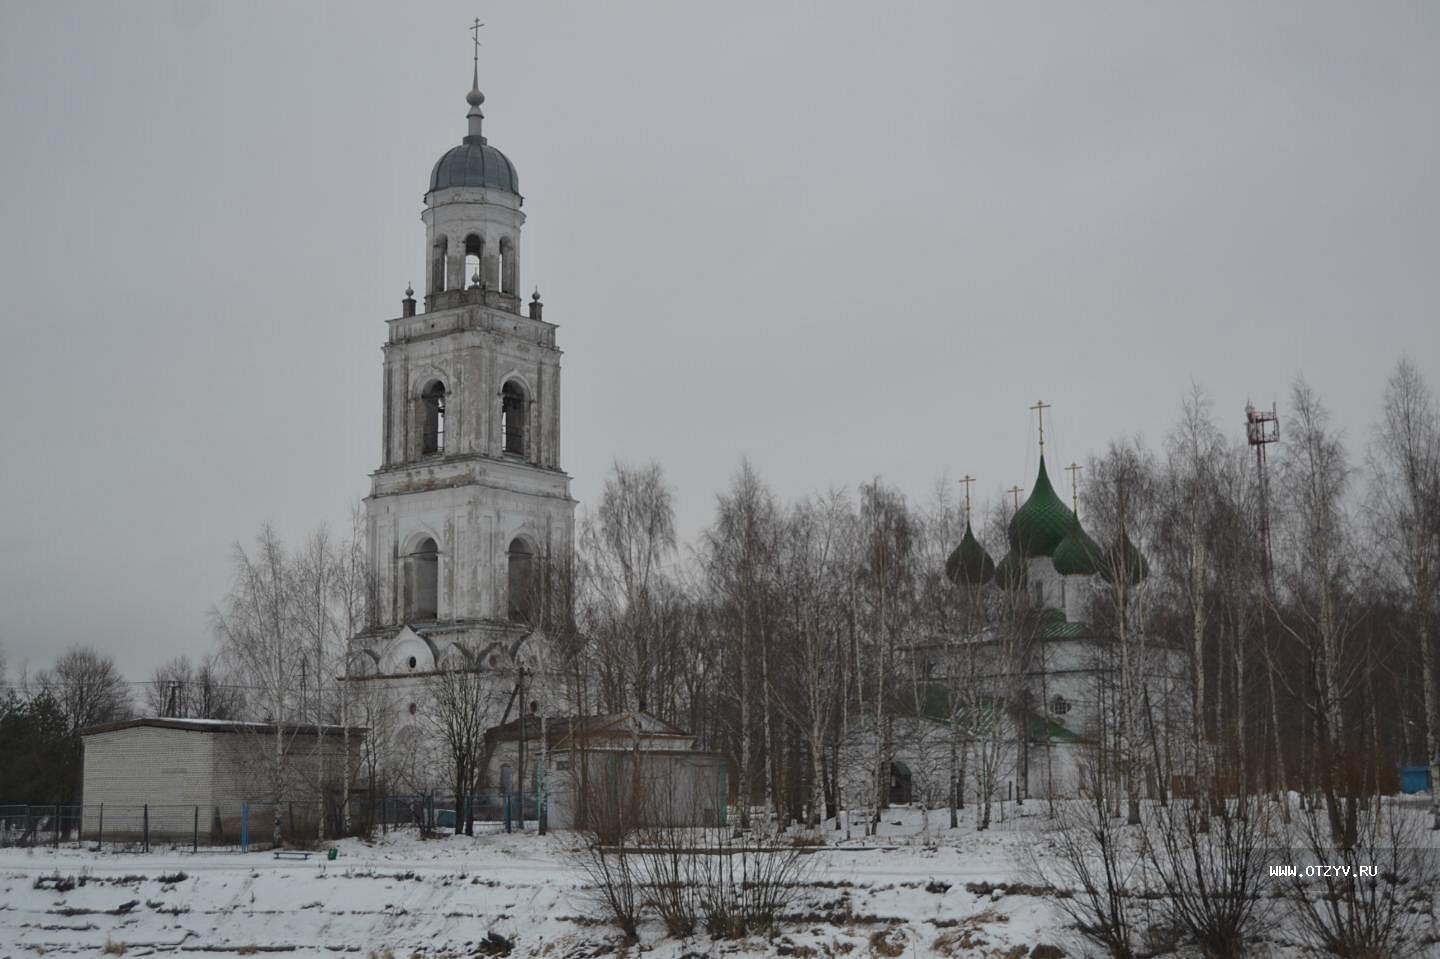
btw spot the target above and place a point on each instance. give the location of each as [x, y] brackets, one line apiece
[474, 163]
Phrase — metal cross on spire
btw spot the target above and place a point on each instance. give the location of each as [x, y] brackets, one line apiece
[1015, 491]
[475, 32]
[1040, 407]
[966, 481]
[1074, 470]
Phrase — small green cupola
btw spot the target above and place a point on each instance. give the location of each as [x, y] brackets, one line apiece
[1078, 554]
[1042, 521]
[969, 564]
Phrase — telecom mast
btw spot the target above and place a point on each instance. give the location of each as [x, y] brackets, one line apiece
[1262, 429]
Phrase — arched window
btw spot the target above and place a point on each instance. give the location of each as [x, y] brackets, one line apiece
[474, 249]
[432, 409]
[522, 581]
[437, 265]
[512, 418]
[423, 575]
[509, 266]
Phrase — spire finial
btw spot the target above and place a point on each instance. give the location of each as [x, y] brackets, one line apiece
[1040, 407]
[1074, 470]
[1015, 491]
[475, 97]
[965, 481]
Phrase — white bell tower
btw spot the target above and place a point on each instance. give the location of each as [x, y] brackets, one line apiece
[469, 509]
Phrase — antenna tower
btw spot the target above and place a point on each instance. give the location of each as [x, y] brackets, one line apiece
[1261, 429]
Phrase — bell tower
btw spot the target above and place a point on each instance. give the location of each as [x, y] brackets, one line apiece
[470, 507]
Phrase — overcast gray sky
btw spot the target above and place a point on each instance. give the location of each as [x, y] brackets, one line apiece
[845, 239]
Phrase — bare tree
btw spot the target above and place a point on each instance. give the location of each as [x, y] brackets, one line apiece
[1195, 452]
[262, 641]
[738, 561]
[465, 702]
[630, 606]
[181, 689]
[1120, 500]
[88, 686]
[1316, 537]
[885, 576]
[1405, 500]
[814, 600]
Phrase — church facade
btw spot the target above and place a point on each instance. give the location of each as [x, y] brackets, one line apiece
[470, 507]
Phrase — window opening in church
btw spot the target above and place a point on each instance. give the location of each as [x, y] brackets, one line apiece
[425, 580]
[432, 434]
[512, 418]
[474, 247]
[521, 581]
[508, 264]
[437, 265]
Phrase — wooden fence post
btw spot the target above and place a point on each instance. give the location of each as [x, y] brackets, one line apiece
[100, 831]
[195, 835]
[147, 827]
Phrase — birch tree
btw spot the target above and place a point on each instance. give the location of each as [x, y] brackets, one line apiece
[1317, 614]
[1120, 501]
[1405, 500]
[262, 641]
[737, 556]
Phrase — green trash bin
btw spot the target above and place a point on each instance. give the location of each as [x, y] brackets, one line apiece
[332, 853]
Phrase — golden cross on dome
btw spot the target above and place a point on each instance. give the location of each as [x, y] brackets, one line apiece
[965, 481]
[1074, 470]
[1015, 491]
[1040, 407]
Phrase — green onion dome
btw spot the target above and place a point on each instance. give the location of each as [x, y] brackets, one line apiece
[1010, 571]
[1127, 558]
[1042, 521]
[1078, 554]
[969, 564]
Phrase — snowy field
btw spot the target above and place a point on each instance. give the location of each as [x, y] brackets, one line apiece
[404, 895]
[914, 890]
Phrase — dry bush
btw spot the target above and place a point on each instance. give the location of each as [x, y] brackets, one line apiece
[1093, 873]
[1213, 866]
[1376, 916]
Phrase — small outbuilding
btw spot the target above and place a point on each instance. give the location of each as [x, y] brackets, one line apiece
[178, 777]
[619, 770]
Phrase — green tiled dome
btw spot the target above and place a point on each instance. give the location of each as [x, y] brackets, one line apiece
[1010, 571]
[969, 564]
[1128, 558]
[1078, 554]
[1042, 522]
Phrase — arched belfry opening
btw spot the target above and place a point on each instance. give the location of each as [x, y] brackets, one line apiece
[432, 419]
[521, 581]
[422, 575]
[474, 254]
[437, 264]
[512, 418]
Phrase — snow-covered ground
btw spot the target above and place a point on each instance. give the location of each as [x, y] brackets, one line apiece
[902, 893]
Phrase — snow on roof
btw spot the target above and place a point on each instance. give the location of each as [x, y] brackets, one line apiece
[219, 726]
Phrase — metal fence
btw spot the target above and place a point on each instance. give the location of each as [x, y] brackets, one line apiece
[248, 825]
[149, 826]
